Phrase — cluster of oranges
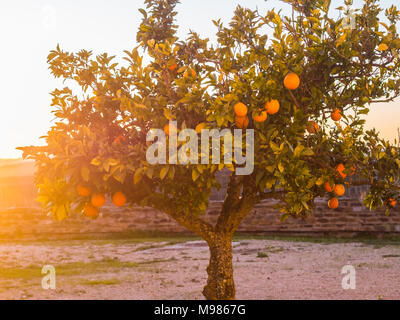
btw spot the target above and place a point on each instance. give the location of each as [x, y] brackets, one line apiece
[189, 72]
[98, 200]
[313, 127]
[291, 82]
[337, 189]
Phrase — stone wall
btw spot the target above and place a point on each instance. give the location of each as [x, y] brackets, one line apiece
[21, 218]
[350, 219]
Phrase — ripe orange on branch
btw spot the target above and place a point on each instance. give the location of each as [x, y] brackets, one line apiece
[329, 187]
[242, 122]
[392, 203]
[291, 81]
[119, 199]
[272, 106]
[312, 127]
[339, 190]
[83, 191]
[98, 200]
[173, 67]
[333, 203]
[260, 117]
[240, 109]
[340, 169]
[383, 47]
[336, 115]
[189, 73]
[91, 211]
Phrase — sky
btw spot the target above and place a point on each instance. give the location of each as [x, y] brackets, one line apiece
[30, 29]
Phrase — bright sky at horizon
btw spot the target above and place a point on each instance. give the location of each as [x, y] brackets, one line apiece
[30, 29]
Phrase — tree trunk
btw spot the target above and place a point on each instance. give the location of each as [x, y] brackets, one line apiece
[220, 283]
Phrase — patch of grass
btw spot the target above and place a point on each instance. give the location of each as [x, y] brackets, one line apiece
[271, 249]
[106, 282]
[116, 238]
[262, 254]
[152, 238]
[365, 239]
[27, 273]
[75, 268]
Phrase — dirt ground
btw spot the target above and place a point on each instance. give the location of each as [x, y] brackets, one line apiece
[131, 269]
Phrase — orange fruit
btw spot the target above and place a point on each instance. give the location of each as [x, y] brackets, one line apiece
[339, 190]
[272, 106]
[119, 199]
[336, 115]
[91, 211]
[383, 47]
[168, 130]
[291, 81]
[340, 168]
[242, 122]
[173, 67]
[83, 191]
[119, 139]
[240, 109]
[333, 203]
[189, 72]
[98, 200]
[257, 117]
[312, 127]
[392, 202]
[329, 187]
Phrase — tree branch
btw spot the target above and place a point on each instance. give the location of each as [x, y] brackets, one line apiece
[187, 220]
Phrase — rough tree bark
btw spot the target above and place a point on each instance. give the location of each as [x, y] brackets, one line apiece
[220, 282]
[239, 201]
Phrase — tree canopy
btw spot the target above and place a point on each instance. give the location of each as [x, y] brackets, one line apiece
[316, 136]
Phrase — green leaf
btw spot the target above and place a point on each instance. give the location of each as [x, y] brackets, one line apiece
[60, 212]
[299, 149]
[320, 181]
[96, 161]
[168, 114]
[308, 152]
[274, 146]
[171, 173]
[195, 174]
[284, 217]
[112, 162]
[137, 176]
[163, 172]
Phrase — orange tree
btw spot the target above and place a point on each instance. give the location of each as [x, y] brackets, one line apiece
[303, 83]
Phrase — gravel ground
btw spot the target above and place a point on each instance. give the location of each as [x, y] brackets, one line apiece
[264, 269]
